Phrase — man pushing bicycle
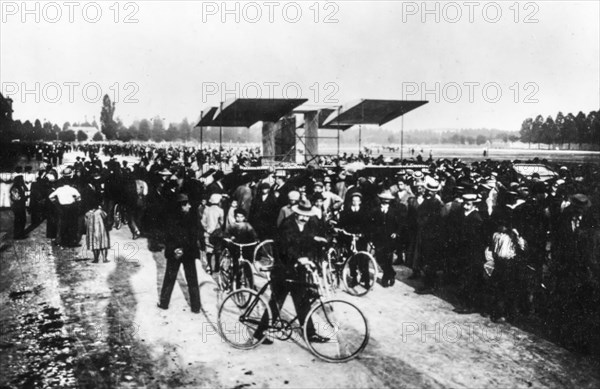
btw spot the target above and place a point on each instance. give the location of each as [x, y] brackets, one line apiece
[295, 249]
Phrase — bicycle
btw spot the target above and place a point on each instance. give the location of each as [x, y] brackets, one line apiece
[359, 271]
[264, 254]
[119, 216]
[340, 322]
[228, 278]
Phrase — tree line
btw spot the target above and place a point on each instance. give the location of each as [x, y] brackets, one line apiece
[563, 130]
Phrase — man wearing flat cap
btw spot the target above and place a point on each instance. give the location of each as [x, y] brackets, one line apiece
[181, 248]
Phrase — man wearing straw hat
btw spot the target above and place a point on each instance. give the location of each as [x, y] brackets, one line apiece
[296, 248]
[386, 224]
[429, 244]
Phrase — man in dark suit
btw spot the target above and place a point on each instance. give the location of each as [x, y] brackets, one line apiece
[354, 219]
[181, 248]
[470, 253]
[263, 212]
[386, 228]
[296, 247]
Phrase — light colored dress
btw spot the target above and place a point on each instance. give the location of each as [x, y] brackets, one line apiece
[96, 236]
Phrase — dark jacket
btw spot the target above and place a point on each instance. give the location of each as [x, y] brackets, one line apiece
[181, 232]
[293, 244]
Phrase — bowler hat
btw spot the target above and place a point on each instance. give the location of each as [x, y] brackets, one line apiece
[182, 198]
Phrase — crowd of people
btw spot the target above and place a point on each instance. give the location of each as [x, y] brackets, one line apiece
[509, 245]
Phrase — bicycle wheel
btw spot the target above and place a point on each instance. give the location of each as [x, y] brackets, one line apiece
[246, 279]
[360, 273]
[237, 324]
[117, 217]
[343, 324]
[326, 281]
[264, 256]
[335, 262]
[225, 275]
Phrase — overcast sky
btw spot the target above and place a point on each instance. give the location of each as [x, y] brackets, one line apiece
[178, 57]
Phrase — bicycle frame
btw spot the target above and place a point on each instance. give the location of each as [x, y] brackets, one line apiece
[261, 292]
[241, 259]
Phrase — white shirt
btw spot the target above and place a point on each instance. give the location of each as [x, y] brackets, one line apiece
[66, 195]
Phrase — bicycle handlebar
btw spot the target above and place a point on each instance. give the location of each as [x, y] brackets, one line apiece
[240, 244]
[348, 233]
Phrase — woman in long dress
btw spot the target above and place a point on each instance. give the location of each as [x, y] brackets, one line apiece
[97, 237]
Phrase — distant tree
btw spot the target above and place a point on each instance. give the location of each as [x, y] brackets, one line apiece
[549, 133]
[66, 126]
[108, 125]
[67, 136]
[580, 124]
[185, 130]
[527, 131]
[595, 124]
[172, 133]
[569, 130]
[38, 131]
[127, 134]
[480, 139]
[47, 132]
[536, 129]
[158, 129]
[560, 127]
[589, 128]
[81, 136]
[144, 131]
[97, 137]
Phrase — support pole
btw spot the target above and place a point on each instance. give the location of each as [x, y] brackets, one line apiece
[359, 138]
[402, 139]
[201, 143]
[311, 135]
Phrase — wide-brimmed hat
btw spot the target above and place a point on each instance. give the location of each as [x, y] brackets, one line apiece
[490, 183]
[293, 195]
[318, 183]
[165, 172]
[472, 197]
[67, 172]
[264, 185]
[386, 195]
[432, 185]
[304, 207]
[580, 200]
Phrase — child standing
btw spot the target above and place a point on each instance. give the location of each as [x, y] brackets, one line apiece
[97, 237]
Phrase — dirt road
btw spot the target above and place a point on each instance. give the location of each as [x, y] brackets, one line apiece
[67, 322]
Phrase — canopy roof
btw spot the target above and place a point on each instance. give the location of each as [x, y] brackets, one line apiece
[323, 114]
[246, 112]
[367, 111]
